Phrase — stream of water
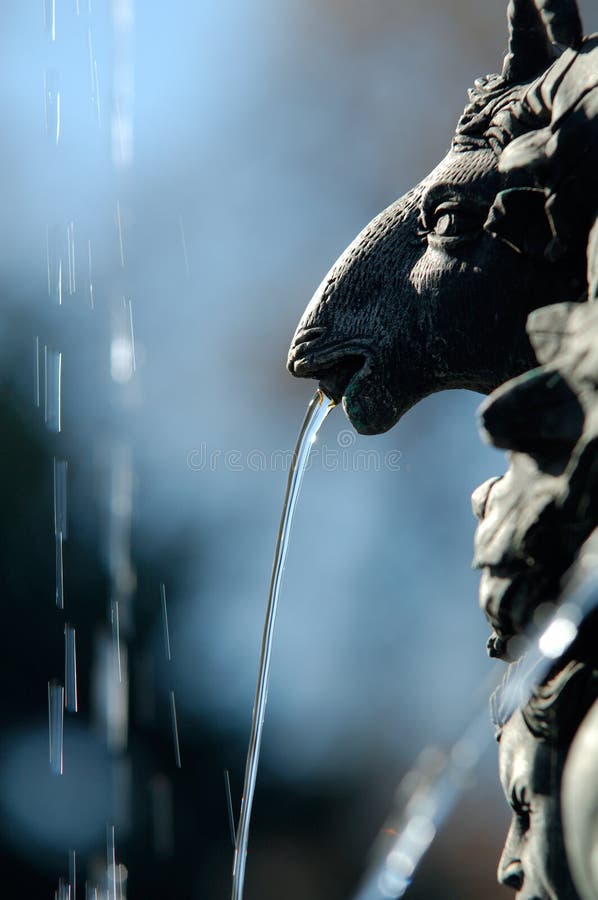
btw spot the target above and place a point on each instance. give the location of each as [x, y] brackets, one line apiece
[317, 411]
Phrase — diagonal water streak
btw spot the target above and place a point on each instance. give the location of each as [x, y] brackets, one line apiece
[165, 628]
[175, 731]
[229, 808]
[317, 411]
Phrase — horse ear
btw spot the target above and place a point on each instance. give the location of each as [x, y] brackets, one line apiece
[529, 52]
[562, 21]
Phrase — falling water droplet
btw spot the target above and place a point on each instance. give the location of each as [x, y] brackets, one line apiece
[115, 622]
[56, 725]
[111, 863]
[52, 104]
[119, 228]
[59, 572]
[70, 669]
[54, 253]
[96, 98]
[122, 573]
[59, 492]
[60, 523]
[90, 275]
[73, 874]
[53, 389]
[317, 411]
[92, 68]
[36, 372]
[70, 242]
[123, 83]
[229, 807]
[175, 731]
[132, 335]
[165, 629]
[184, 244]
[50, 18]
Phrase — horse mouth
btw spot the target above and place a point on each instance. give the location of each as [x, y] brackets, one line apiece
[349, 371]
[333, 365]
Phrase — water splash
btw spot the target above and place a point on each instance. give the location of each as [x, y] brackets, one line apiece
[425, 799]
[64, 890]
[431, 790]
[317, 411]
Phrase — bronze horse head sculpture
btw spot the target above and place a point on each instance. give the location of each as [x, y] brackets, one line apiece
[434, 293]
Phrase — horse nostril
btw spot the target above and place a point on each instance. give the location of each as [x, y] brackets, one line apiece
[335, 380]
[511, 876]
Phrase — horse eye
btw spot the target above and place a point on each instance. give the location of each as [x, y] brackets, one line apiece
[522, 809]
[451, 220]
[446, 225]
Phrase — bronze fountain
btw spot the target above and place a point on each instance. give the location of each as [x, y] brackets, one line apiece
[485, 273]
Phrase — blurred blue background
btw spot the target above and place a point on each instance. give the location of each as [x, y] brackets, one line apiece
[214, 160]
